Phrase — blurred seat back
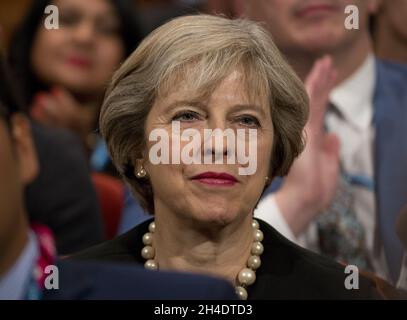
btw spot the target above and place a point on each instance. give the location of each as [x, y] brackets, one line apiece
[110, 193]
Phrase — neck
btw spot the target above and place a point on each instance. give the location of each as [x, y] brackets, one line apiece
[221, 250]
[346, 59]
[13, 244]
[389, 44]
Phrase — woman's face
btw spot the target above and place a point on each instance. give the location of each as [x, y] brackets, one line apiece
[210, 193]
[84, 52]
[18, 168]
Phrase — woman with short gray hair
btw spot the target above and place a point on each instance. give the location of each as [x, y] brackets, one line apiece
[199, 101]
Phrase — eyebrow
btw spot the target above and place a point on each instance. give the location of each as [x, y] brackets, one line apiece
[181, 103]
[200, 105]
[241, 107]
[102, 15]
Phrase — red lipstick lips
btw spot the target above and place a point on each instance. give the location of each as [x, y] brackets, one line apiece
[79, 62]
[216, 178]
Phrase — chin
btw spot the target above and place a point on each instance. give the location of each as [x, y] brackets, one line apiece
[74, 80]
[321, 45]
[80, 84]
[321, 35]
[217, 216]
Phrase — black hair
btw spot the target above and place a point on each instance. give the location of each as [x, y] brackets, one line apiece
[22, 42]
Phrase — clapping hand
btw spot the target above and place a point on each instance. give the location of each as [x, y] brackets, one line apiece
[311, 183]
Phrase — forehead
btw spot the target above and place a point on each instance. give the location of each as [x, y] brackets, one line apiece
[90, 7]
[232, 89]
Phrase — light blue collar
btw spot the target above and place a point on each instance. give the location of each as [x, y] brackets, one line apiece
[14, 284]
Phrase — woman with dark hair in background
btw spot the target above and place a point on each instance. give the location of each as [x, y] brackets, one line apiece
[63, 74]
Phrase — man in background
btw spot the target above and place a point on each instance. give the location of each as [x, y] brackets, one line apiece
[342, 202]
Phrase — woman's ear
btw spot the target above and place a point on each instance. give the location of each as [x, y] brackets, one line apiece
[140, 161]
[140, 171]
[24, 148]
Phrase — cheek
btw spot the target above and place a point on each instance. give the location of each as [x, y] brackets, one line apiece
[45, 50]
[167, 181]
[109, 54]
[264, 150]
[255, 183]
[279, 21]
[397, 20]
[47, 40]
[10, 183]
[166, 176]
[365, 10]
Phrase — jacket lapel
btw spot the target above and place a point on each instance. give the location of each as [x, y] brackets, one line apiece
[390, 115]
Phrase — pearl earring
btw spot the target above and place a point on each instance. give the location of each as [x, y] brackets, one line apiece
[141, 174]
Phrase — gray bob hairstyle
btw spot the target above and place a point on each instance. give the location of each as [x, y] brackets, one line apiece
[206, 49]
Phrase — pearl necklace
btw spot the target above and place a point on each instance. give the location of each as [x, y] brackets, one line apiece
[246, 276]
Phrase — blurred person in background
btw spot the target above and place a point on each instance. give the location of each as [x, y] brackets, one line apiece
[69, 206]
[27, 251]
[63, 74]
[343, 204]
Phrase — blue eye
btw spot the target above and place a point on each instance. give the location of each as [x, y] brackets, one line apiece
[186, 116]
[249, 121]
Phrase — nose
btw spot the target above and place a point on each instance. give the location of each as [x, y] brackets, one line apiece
[218, 141]
[84, 33]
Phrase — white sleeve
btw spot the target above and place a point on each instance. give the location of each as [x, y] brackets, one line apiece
[269, 211]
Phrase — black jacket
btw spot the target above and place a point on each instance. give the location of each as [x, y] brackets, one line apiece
[89, 281]
[62, 196]
[287, 270]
